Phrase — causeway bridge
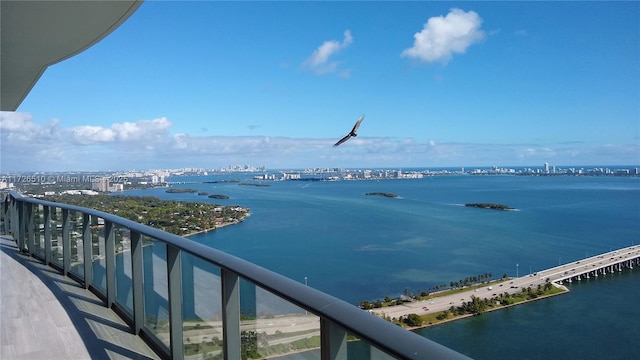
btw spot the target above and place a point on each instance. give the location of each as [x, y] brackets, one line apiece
[595, 266]
[599, 265]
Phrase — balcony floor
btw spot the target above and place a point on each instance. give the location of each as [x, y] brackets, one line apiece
[44, 315]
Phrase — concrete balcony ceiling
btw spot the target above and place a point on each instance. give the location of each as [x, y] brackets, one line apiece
[37, 34]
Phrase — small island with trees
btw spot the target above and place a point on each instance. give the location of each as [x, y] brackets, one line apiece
[179, 191]
[385, 194]
[219, 196]
[489, 206]
[254, 184]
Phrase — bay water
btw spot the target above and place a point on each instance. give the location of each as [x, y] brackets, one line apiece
[364, 247]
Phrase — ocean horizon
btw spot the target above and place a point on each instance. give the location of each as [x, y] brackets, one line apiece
[358, 247]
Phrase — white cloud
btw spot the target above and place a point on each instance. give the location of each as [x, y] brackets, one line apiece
[142, 129]
[20, 127]
[147, 144]
[26, 144]
[92, 134]
[441, 36]
[17, 122]
[319, 62]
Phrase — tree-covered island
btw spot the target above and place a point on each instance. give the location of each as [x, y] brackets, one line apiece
[176, 217]
[489, 206]
[219, 196]
[254, 184]
[178, 191]
[386, 194]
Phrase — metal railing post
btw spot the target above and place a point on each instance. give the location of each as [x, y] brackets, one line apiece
[333, 341]
[14, 218]
[47, 234]
[110, 262]
[174, 275]
[17, 209]
[87, 250]
[15, 215]
[21, 210]
[137, 281]
[230, 283]
[30, 224]
[66, 243]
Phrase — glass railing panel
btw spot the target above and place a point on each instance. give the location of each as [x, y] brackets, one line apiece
[124, 285]
[376, 354]
[98, 254]
[357, 349]
[55, 227]
[271, 326]
[202, 309]
[156, 307]
[38, 230]
[77, 244]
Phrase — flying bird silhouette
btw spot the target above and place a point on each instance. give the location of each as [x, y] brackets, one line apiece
[352, 133]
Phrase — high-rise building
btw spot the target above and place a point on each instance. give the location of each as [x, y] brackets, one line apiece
[101, 185]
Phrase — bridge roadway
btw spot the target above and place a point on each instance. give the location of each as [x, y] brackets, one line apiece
[594, 266]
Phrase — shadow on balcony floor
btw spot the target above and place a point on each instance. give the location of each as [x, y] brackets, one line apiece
[44, 315]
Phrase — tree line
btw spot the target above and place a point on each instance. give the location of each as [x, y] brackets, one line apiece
[176, 217]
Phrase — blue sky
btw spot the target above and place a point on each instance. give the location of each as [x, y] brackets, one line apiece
[209, 84]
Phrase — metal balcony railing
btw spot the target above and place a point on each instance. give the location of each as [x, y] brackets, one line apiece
[188, 300]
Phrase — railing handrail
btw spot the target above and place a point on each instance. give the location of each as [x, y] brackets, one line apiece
[390, 338]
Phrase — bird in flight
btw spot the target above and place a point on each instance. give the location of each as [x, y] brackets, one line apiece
[352, 133]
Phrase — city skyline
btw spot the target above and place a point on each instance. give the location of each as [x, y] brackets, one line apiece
[441, 84]
[120, 175]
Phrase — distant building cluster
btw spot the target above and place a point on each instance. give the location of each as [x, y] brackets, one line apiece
[104, 185]
[280, 176]
[100, 182]
[381, 174]
[552, 170]
[242, 168]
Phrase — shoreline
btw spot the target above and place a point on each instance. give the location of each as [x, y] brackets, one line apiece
[442, 302]
[217, 227]
[564, 289]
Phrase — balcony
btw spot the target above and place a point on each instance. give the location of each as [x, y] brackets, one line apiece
[185, 300]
